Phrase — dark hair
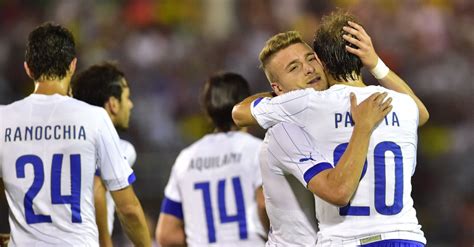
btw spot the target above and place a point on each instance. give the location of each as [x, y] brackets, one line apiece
[221, 92]
[49, 51]
[330, 47]
[98, 83]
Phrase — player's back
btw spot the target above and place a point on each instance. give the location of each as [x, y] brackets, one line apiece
[289, 205]
[48, 157]
[217, 177]
[382, 202]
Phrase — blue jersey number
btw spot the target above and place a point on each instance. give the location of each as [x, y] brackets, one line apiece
[56, 198]
[380, 181]
[224, 216]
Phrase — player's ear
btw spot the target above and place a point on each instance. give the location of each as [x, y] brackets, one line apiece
[112, 105]
[276, 88]
[72, 66]
[27, 69]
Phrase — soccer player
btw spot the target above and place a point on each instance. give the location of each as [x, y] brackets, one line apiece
[381, 211]
[105, 86]
[50, 146]
[215, 184]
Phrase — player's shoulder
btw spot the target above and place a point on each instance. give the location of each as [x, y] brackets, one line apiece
[129, 151]
[286, 133]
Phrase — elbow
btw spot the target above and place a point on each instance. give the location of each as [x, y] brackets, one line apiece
[167, 239]
[129, 211]
[237, 116]
[341, 197]
[424, 117]
[337, 195]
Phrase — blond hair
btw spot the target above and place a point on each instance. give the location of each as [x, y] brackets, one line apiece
[275, 44]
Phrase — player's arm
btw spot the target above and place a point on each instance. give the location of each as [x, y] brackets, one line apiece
[370, 59]
[241, 112]
[131, 216]
[170, 231]
[101, 212]
[297, 154]
[262, 212]
[337, 185]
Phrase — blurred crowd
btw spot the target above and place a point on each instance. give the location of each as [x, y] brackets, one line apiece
[167, 49]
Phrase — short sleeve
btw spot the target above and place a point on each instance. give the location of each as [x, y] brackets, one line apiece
[172, 187]
[172, 204]
[287, 107]
[294, 152]
[114, 169]
[129, 152]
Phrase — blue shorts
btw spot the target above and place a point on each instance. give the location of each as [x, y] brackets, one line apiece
[395, 243]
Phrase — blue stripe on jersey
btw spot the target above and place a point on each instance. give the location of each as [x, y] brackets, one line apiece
[97, 172]
[169, 206]
[395, 243]
[315, 170]
[255, 103]
[131, 178]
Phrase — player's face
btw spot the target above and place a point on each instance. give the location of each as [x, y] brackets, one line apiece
[296, 67]
[126, 105]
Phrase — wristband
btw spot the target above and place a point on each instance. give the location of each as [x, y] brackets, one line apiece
[380, 71]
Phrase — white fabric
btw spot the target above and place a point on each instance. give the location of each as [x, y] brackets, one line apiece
[287, 154]
[131, 155]
[325, 116]
[215, 158]
[37, 128]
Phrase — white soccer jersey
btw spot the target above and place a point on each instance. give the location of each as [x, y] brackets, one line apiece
[382, 202]
[212, 188]
[50, 147]
[131, 155]
[287, 155]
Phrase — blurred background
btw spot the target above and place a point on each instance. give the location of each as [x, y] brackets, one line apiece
[167, 49]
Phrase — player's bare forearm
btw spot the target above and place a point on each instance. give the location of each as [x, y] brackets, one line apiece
[365, 50]
[241, 113]
[101, 213]
[394, 82]
[131, 216]
[337, 185]
[262, 212]
[170, 231]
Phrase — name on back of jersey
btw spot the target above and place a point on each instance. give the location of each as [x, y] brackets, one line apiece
[212, 162]
[345, 120]
[47, 132]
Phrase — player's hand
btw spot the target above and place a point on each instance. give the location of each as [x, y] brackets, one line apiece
[371, 111]
[4, 238]
[359, 38]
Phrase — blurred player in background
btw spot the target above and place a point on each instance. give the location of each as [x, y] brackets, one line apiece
[214, 191]
[50, 147]
[105, 86]
[381, 211]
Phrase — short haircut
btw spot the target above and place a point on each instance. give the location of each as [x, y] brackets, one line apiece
[276, 44]
[49, 51]
[221, 92]
[331, 47]
[98, 83]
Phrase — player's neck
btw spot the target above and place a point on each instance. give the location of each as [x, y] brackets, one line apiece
[357, 82]
[50, 87]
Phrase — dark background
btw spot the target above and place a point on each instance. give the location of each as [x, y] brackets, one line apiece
[168, 48]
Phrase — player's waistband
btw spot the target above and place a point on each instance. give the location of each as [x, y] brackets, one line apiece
[404, 235]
